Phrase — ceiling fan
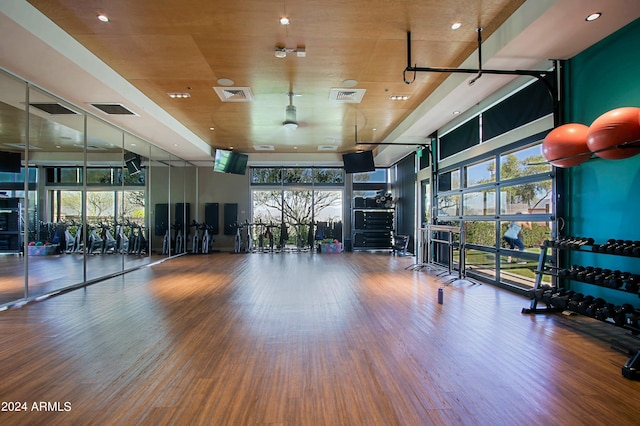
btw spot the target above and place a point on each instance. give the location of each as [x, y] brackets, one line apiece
[291, 118]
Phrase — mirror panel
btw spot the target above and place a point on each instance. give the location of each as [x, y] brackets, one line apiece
[56, 210]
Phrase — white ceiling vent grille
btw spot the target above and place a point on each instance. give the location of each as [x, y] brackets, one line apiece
[347, 96]
[113, 109]
[264, 147]
[234, 94]
[327, 147]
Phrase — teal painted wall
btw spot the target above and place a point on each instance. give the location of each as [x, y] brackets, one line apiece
[603, 196]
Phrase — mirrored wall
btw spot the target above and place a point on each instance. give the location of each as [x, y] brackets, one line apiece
[80, 199]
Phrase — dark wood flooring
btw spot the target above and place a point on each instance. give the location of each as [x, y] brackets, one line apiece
[305, 339]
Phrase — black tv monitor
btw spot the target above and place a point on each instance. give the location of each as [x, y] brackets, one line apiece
[133, 162]
[358, 162]
[230, 162]
[10, 162]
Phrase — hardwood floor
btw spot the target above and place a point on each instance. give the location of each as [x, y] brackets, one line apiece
[302, 339]
[52, 273]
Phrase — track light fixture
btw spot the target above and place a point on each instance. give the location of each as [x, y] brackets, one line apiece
[281, 52]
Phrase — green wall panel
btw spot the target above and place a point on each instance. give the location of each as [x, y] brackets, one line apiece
[603, 196]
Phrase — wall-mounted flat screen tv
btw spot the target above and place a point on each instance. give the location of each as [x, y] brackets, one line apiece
[358, 162]
[230, 162]
[133, 162]
[10, 162]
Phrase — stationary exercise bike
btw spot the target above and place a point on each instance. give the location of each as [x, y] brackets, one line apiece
[195, 240]
[122, 241]
[207, 241]
[179, 240]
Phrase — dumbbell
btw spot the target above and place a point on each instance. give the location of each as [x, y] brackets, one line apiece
[575, 301]
[590, 277]
[575, 269]
[547, 295]
[602, 248]
[581, 241]
[585, 303]
[613, 280]
[537, 294]
[611, 248]
[605, 311]
[593, 308]
[559, 241]
[628, 250]
[632, 283]
[566, 242]
[620, 248]
[582, 275]
[598, 279]
[632, 319]
[562, 298]
[620, 314]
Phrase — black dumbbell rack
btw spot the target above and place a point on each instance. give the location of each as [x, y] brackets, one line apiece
[619, 280]
[558, 299]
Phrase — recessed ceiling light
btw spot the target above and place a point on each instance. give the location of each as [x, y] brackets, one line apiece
[102, 17]
[399, 97]
[456, 112]
[175, 144]
[284, 21]
[212, 128]
[456, 25]
[350, 83]
[225, 82]
[593, 16]
[179, 95]
[133, 144]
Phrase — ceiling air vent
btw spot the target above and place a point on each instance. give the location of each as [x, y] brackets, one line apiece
[327, 147]
[347, 96]
[264, 147]
[90, 147]
[114, 109]
[234, 94]
[53, 108]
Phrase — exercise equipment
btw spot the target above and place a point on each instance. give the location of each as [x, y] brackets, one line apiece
[179, 246]
[566, 145]
[195, 239]
[166, 239]
[631, 368]
[207, 240]
[94, 243]
[109, 243]
[122, 241]
[574, 243]
[615, 134]
[269, 236]
[70, 240]
[237, 239]
[137, 240]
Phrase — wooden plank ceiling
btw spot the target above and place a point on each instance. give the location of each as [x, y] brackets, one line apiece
[187, 46]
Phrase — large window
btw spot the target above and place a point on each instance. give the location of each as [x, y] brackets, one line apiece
[505, 203]
[296, 206]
